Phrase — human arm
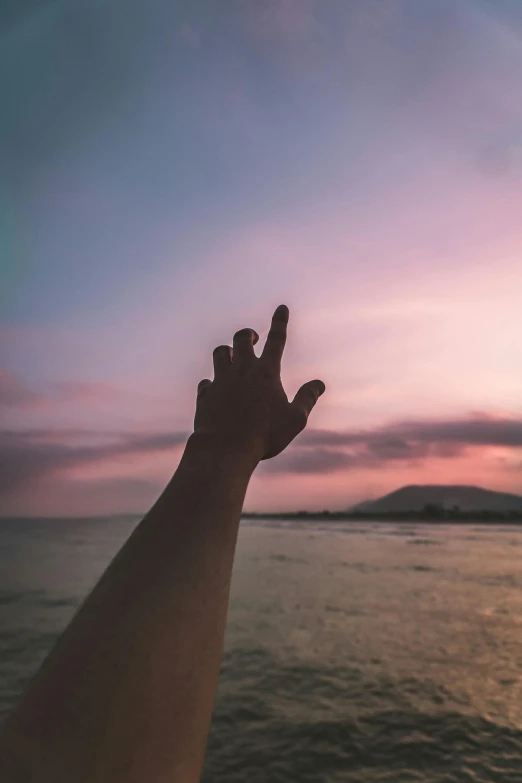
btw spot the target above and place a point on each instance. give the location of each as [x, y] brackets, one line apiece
[126, 695]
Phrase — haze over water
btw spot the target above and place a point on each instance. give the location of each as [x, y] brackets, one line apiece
[383, 653]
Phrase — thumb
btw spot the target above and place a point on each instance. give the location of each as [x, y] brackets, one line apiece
[308, 395]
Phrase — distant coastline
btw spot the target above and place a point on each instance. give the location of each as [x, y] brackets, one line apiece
[469, 517]
[430, 503]
[447, 517]
[444, 503]
[442, 516]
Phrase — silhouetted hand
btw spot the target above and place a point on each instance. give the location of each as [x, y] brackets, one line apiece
[246, 404]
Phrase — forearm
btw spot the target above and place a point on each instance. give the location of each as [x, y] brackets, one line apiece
[127, 693]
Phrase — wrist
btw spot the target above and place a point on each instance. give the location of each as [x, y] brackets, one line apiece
[228, 449]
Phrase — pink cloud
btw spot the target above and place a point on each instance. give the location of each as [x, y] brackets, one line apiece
[15, 394]
[87, 392]
[318, 468]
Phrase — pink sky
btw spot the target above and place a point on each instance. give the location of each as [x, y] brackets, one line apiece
[360, 162]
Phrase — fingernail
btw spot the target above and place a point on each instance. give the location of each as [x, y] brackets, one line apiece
[282, 309]
[322, 388]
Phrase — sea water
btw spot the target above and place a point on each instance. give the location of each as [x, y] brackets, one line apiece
[354, 651]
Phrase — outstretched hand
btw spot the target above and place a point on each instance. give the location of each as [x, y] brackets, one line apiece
[160, 607]
[245, 405]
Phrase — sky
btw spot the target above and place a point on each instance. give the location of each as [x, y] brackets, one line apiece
[171, 172]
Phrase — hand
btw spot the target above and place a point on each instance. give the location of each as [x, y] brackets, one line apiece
[246, 404]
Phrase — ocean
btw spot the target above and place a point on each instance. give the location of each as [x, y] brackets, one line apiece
[360, 652]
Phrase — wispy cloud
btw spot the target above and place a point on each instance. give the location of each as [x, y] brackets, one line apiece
[480, 430]
[27, 457]
[30, 456]
[15, 393]
[321, 451]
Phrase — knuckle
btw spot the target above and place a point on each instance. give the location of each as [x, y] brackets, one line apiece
[243, 334]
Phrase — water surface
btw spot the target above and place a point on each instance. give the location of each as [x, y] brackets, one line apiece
[354, 651]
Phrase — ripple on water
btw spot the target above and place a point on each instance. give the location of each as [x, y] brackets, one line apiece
[322, 724]
[348, 658]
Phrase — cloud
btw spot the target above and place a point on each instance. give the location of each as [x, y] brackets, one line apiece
[479, 430]
[313, 460]
[28, 457]
[323, 451]
[14, 393]
[86, 392]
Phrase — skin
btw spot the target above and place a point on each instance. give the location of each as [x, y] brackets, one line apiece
[127, 692]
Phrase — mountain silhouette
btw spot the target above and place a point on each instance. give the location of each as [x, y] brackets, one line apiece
[467, 498]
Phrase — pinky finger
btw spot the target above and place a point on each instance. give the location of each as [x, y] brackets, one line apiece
[202, 385]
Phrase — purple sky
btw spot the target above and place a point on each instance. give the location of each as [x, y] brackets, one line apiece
[173, 171]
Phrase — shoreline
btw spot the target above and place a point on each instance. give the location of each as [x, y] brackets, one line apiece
[485, 517]
[405, 517]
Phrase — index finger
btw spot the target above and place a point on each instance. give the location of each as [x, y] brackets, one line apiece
[275, 342]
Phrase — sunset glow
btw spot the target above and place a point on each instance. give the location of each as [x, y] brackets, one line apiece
[168, 184]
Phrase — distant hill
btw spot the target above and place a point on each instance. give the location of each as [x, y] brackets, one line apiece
[416, 497]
